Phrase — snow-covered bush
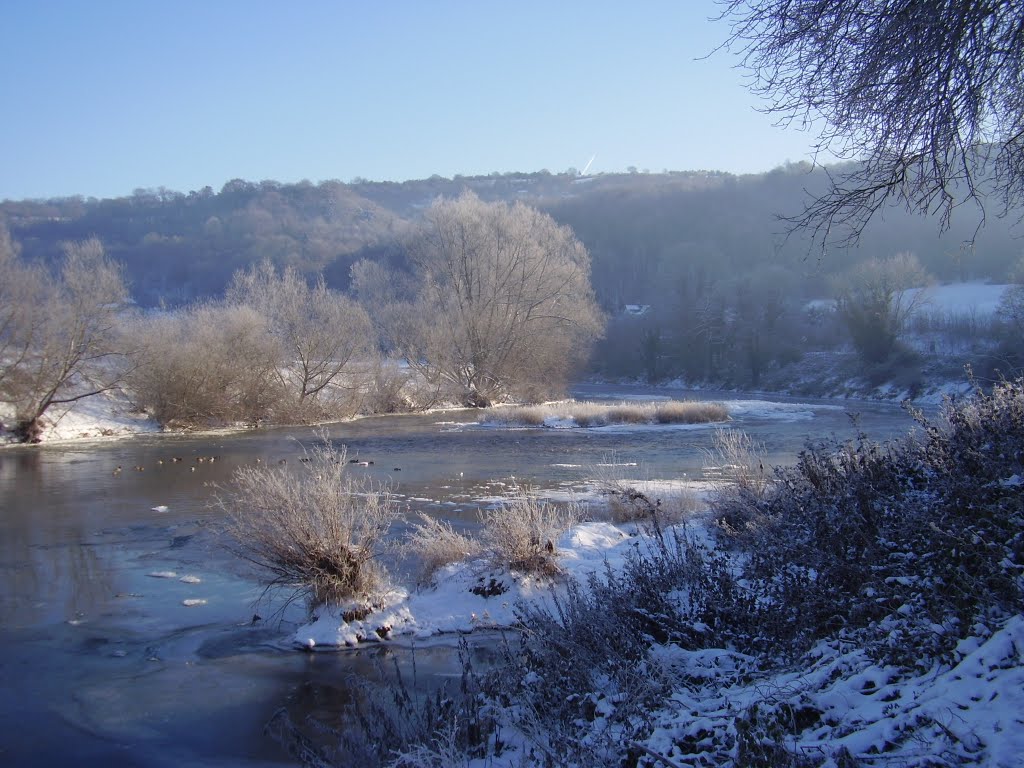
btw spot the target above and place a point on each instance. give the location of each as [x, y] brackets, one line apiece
[906, 542]
[894, 552]
[521, 533]
[581, 684]
[436, 544]
[311, 528]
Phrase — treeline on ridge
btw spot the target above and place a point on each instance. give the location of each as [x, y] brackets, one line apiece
[694, 271]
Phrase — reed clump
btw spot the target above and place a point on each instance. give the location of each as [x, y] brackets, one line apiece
[592, 414]
[311, 528]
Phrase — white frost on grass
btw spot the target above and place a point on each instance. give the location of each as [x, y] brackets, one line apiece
[465, 596]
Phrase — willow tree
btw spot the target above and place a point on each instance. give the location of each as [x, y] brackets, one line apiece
[324, 336]
[505, 307]
[59, 332]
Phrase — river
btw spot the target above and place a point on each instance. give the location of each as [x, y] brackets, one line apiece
[103, 662]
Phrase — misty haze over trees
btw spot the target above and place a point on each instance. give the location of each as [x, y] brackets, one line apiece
[290, 299]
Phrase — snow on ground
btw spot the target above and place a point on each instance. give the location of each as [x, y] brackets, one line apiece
[970, 711]
[109, 414]
[835, 698]
[771, 409]
[466, 596]
[973, 298]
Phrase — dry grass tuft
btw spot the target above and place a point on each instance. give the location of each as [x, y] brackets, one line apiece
[690, 412]
[311, 528]
[521, 533]
[591, 414]
[437, 544]
[739, 462]
[639, 501]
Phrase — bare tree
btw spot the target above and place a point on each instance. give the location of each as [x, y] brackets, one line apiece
[22, 292]
[60, 337]
[505, 304]
[322, 333]
[927, 97]
[875, 300]
[379, 289]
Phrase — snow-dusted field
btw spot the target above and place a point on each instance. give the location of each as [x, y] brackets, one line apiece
[972, 298]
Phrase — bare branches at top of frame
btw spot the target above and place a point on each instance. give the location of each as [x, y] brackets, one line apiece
[926, 96]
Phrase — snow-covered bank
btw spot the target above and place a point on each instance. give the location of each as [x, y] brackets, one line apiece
[467, 596]
[855, 611]
[826, 376]
[106, 415]
[833, 704]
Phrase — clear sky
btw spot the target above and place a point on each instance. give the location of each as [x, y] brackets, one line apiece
[100, 97]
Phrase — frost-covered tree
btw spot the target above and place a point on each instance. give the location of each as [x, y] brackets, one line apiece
[322, 333]
[58, 333]
[505, 306]
[875, 300]
[207, 364]
[21, 306]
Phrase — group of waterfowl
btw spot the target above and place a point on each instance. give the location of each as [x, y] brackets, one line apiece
[174, 460]
[210, 459]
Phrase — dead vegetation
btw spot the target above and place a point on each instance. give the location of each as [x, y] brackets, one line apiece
[591, 414]
[311, 528]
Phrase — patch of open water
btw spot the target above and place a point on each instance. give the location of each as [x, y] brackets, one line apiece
[106, 663]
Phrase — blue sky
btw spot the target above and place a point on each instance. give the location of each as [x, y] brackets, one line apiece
[103, 97]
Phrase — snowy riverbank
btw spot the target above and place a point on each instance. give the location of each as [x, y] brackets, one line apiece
[835, 700]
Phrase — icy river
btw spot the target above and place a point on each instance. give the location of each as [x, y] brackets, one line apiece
[103, 663]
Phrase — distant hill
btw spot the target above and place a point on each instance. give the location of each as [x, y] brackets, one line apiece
[652, 237]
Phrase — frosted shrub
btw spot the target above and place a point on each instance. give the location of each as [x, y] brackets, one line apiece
[894, 541]
[739, 462]
[522, 532]
[436, 544]
[590, 649]
[311, 528]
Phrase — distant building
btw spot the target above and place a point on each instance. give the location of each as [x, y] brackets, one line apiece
[636, 310]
